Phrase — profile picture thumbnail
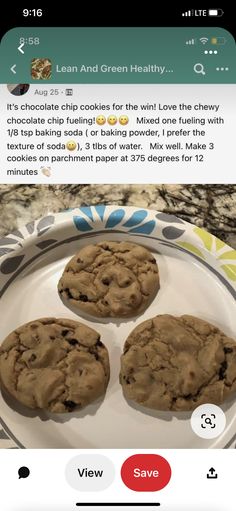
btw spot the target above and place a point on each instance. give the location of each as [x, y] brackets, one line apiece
[41, 69]
[18, 89]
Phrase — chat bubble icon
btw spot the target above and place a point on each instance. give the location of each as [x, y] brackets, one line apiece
[23, 472]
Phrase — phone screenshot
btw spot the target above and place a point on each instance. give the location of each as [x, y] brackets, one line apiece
[117, 260]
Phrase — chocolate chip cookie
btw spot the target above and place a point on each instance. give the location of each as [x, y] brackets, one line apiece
[110, 279]
[54, 364]
[178, 363]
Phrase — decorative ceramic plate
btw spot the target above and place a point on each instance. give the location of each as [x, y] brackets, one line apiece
[198, 276]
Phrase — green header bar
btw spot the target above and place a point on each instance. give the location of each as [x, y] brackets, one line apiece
[118, 55]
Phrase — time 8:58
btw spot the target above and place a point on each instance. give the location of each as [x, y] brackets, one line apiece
[29, 40]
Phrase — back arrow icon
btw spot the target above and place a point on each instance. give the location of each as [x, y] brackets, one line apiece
[20, 48]
[13, 69]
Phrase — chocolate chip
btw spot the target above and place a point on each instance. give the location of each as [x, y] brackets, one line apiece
[79, 260]
[228, 350]
[106, 282]
[67, 291]
[98, 343]
[83, 298]
[73, 342]
[222, 370]
[93, 352]
[32, 358]
[52, 337]
[153, 261]
[70, 405]
[64, 332]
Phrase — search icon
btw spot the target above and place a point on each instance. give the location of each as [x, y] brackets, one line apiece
[199, 69]
[208, 421]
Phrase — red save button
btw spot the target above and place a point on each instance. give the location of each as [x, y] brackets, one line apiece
[145, 472]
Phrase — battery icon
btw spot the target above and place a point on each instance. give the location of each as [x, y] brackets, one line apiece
[218, 40]
[215, 12]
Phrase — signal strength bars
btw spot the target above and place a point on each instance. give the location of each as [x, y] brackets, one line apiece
[191, 41]
[187, 13]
